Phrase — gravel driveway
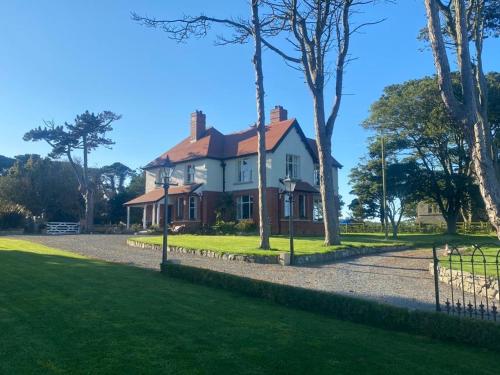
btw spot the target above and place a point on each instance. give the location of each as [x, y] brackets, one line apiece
[400, 278]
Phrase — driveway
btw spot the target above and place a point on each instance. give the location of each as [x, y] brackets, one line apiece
[399, 278]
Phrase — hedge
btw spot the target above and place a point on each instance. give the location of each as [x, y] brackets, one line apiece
[431, 324]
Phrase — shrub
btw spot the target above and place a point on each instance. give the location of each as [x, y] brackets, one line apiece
[431, 324]
[13, 216]
[245, 226]
[224, 227]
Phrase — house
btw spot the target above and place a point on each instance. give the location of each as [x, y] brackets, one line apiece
[429, 213]
[209, 164]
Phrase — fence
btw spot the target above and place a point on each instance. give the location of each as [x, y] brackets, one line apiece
[63, 228]
[475, 227]
[470, 275]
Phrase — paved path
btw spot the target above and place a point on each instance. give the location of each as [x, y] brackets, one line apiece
[400, 278]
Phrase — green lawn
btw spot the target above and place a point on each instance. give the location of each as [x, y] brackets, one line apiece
[308, 245]
[61, 313]
[249, 244]
[490, 253]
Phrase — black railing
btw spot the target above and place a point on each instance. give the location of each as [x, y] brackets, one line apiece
[471, 286]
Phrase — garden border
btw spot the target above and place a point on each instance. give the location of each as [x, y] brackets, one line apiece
[435, 325]
[280, 258]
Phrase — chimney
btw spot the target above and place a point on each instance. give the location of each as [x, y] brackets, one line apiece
[278, 113]
[198, 125]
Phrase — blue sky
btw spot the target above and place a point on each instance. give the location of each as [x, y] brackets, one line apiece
[60, 58]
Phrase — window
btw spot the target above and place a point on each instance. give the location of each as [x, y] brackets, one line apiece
[317, 210]
[316, 175]
[180, 208]
[302, 206]
[292, 166]
[287, 208]
[189, 174]
[193, 214]
[244, 170]
[429, 209]
[244, 207]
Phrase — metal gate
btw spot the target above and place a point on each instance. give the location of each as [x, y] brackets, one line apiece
[472, 277]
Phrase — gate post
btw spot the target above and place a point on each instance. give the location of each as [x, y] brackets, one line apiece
[435, 261]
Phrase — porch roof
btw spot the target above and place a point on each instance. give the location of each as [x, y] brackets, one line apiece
[306, 187]
[157, 194]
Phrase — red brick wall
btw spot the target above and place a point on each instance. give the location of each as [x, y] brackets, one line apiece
[278, 223]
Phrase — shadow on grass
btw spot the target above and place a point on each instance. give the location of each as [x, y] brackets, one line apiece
[61, 314]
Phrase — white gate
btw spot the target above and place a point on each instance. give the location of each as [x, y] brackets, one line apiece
[63, 228]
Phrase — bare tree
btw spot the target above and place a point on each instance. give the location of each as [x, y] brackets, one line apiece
[315, 29]
[464, 24]
[198, 26]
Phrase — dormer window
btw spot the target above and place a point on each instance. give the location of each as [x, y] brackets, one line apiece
[189, 174]
[292, 166]
[244, 170]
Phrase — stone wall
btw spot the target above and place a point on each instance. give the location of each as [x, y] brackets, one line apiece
[280, 258]
[482, 283]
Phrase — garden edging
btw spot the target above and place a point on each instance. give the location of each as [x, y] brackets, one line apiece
[280, 258]
[478, 282]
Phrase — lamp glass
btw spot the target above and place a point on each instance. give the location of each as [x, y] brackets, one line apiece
[289, 184]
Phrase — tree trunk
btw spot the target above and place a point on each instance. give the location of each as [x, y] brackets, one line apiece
[395, 228]
[486, 174]
[468, 112]
[88, 198]
[451, 223]
[261, 129]
[88, 194]
[330, 217]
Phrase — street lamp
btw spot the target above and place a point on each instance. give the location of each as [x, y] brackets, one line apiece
[164, 174]
[289, 184]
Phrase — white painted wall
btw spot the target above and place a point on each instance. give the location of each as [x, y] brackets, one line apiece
[209, 171]
[293, 145]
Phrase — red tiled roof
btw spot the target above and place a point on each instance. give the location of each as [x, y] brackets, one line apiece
[216, 145]
[156, 194]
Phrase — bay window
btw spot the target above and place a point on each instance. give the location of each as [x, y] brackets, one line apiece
[244, 207]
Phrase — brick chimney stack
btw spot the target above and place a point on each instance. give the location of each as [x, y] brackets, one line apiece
[198, 125]
[278, 113]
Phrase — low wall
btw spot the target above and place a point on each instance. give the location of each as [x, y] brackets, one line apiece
[448, 276]
[280, 258]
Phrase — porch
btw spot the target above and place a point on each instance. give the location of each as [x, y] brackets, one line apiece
[183, 202]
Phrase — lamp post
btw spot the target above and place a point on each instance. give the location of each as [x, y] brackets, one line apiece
[289, 185]
[164, 175]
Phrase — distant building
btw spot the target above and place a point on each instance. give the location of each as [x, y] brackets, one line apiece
[429, 213]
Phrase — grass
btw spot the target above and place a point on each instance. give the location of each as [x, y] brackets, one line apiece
[490, 256]
[249, 244]
[309, 245]
[62, 313]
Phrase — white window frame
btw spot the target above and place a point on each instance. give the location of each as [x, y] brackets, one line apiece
[244, 170]
[292, 166]
[193, 207]
[180, 208]
[190, 173]
[303, 206]
[316, 175]
[241, 201]
[287, 205]
[317, 210]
